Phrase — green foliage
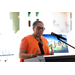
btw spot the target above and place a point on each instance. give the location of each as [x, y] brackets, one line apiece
[50, 45]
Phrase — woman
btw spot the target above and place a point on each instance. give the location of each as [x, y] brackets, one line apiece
[29, 47]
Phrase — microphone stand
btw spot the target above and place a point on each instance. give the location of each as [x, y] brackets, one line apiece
[65, 42]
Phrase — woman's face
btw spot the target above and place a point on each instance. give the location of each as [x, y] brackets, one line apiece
[38, 29]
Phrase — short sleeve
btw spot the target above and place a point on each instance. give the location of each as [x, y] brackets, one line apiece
[45, 39]
[24, 44]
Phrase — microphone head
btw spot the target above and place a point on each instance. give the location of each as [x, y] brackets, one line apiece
[58, 36]
[52, 33]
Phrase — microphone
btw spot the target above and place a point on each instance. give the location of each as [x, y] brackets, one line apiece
[58, 36]
[41, 49]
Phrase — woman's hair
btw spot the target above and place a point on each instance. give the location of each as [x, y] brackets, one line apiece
[36, 22]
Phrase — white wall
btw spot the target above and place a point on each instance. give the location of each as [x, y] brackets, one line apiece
[73, 21]
[6, 24]
[60, 18]
[7, 42]
[47, 18]
[71, 36]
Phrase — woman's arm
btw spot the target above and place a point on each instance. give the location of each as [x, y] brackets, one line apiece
[23, 54]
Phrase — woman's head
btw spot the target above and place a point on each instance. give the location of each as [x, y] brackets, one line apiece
[38, 28]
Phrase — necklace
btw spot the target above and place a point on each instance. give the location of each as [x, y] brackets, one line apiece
[39, 40]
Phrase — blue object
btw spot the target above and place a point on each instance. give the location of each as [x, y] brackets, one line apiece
[56, 44]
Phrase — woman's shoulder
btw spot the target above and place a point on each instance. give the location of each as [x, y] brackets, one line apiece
[44, 38]
[26, 37]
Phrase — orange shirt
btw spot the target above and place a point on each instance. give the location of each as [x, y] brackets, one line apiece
[30, 44]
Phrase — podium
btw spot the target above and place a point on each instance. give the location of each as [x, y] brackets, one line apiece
[53, 58]
[60, 58]
[36, 59]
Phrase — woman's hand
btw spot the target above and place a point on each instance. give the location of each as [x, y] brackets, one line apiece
[52, 52]
[36, 54]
